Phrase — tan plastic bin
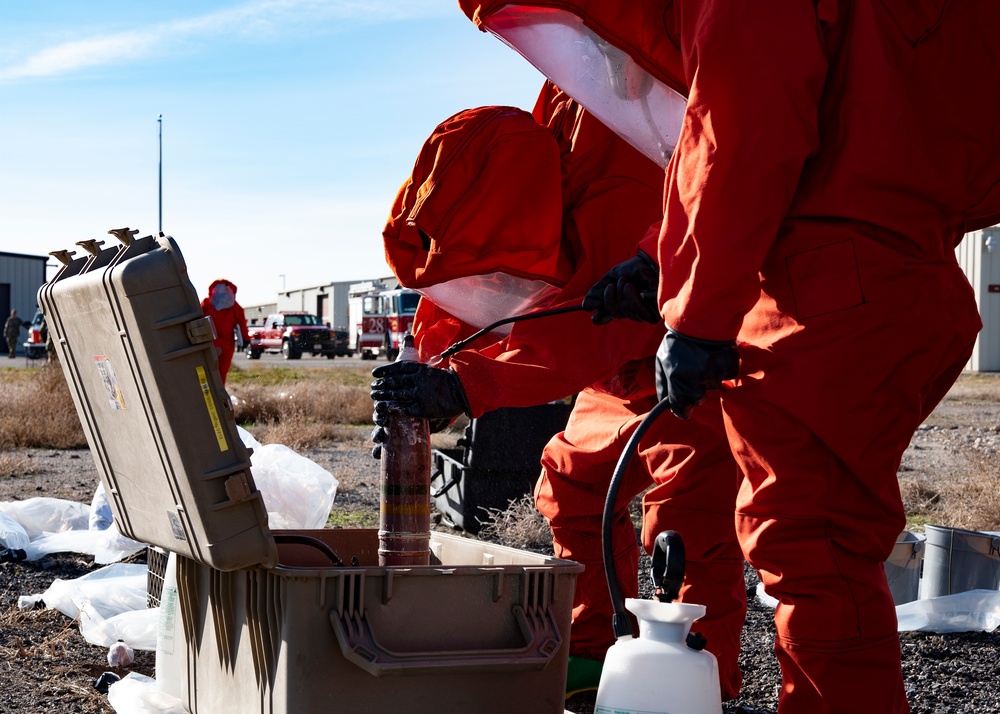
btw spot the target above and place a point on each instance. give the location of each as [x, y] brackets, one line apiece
[270, 624]
[483, 629]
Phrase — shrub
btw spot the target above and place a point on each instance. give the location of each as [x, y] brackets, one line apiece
[38, 411]
[302, 414]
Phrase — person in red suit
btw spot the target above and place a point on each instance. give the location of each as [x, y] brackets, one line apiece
[227, 317]
[499, 197]
[828, 156]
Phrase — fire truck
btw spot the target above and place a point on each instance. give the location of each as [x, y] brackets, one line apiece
[379, 317]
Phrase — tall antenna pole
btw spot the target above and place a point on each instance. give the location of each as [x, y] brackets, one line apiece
[159, 121]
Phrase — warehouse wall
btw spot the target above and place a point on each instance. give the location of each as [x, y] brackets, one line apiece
[979, 256]
[20, 277]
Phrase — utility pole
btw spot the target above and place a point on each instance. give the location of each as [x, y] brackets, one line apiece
[159, 121]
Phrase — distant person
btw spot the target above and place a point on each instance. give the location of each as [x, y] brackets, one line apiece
[50, 348]
[227, 316]
[12, 331]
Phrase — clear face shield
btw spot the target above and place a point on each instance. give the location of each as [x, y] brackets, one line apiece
[625, 97]
[222, 296]
[480, 300]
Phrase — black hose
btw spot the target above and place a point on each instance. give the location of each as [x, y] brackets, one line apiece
[311, 541]
[516, 318]
[620, 622]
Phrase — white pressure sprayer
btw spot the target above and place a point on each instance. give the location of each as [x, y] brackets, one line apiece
[664, 670]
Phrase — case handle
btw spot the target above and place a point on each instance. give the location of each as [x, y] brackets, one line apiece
[360, 645]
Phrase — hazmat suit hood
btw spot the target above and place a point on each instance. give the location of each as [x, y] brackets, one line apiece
[616, 59]
[222, 294]
[477, 226]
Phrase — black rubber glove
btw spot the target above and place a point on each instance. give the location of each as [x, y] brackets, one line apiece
[687, 367]
[416, 390]
[627, 291]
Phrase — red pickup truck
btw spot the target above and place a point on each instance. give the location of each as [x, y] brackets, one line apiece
[293, 334]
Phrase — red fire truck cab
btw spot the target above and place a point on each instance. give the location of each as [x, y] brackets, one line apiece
[379, 317]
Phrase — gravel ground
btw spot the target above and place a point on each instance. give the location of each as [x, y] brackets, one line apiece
[46, 666]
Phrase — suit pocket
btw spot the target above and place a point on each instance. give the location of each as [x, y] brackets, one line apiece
[915, 19]
[825, 279]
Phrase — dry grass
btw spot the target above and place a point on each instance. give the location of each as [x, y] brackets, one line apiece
[302, 414]
[15, 463]
[321, 401]
[38, 410]
[520, 526]
[975, 387]
[969, 500]
[299, 408]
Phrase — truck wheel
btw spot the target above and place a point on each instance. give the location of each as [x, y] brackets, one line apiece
[252, 353]
[390, 353]
[289, 352]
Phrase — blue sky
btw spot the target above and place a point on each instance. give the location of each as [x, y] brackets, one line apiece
[288, 125]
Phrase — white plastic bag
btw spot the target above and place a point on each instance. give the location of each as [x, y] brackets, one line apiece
[47, 515]
[107, 546]
[137, 694]
[970, 611]
[101, 517]
[110, 604]
[297, 492]
[120, 654]
[12, 535]
[135, 628]
[246, 437]
[111, 590]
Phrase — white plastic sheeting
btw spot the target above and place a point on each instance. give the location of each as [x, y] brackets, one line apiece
[970, 611]
[138, 694]
[110, 604]
[55, 525]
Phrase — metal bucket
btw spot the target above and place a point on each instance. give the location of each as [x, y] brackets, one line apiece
[902, 568]
[959, 560]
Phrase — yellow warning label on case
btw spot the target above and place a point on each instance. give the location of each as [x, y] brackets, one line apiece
[213, 413]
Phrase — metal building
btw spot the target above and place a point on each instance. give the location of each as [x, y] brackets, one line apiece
[328, 301]
[20, 277]
[257, 314]
[979, 256]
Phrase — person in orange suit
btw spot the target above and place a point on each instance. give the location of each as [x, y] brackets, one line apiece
[227, 317]
[829, 157]
[582, 182]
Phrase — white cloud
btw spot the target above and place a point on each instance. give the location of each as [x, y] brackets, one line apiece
[249, 22]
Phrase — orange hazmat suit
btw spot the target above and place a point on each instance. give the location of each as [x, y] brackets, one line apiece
[606, 189]
[830, 157]
[227, 316]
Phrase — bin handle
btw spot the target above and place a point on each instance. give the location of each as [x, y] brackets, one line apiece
[917, 547]
[455, 480]
[360, 646]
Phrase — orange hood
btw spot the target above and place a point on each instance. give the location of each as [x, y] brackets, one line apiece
[484, 197]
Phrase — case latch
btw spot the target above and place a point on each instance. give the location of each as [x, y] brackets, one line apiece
[200, 330]
[237, 488]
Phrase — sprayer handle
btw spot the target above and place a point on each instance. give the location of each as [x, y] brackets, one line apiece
[667, 571]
